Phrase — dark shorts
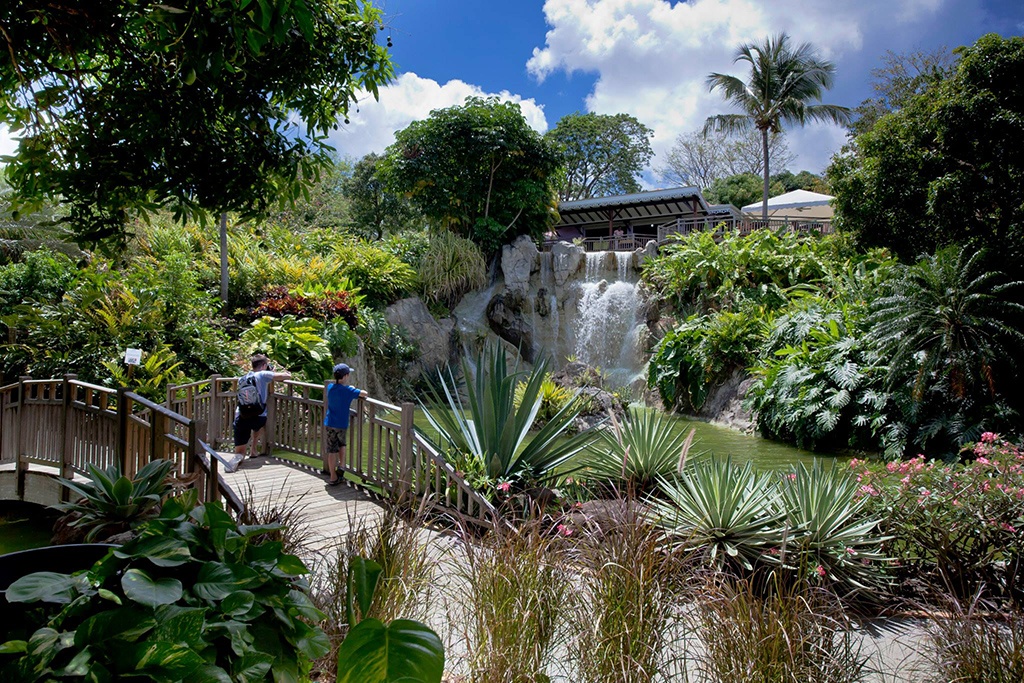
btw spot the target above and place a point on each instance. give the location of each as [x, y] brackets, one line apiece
[245, 426]
[336, 439]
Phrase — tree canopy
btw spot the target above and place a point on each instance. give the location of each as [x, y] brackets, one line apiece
[947, 167]
[602, 154]
[739, 190]
[783, 83]
[375, 211]
[477, 169]
[701, 159]
[197, 106]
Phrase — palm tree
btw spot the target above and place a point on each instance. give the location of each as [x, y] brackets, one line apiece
[783, 83]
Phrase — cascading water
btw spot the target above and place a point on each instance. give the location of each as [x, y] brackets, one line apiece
[607, 326]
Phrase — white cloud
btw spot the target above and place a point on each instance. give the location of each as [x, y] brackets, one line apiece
[411, 98]
[652, 57]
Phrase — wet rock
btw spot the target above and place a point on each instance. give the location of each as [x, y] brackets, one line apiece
[724, 405]
[566, 261]
[543, 305]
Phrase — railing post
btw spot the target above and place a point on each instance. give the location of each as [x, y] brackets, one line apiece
[212, 482]
[323, 434]
[213, 427]
[157, 428]
[123, 413]
[355, 452]
[21, 465]
[68, 449]
[269, 433]
[405, 454]
[195, 428]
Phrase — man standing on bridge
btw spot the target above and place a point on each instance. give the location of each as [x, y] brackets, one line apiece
[251, 411]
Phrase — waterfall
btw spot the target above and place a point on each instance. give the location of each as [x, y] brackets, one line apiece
[607, 325]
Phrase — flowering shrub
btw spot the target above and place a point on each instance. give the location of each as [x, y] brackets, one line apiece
[323, 306]
[958, 528]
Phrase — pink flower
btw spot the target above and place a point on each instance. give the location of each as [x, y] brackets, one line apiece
[563, 530]
[851, 551]
[791, 476]
[1009, 527]
[982, 460]
[989, 437]
[820, 570]
[504, 486]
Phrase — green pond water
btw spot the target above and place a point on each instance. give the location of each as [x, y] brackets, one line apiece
[24, 525]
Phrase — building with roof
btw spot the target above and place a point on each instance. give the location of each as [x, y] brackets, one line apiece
[630, 215]
[799, 204]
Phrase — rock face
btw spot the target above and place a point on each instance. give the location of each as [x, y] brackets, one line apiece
[436, 338]
[566, 261]
[518, 261]
[506, 318]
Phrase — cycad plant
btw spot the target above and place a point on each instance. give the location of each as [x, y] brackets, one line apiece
[830, 536]
[944, 330]
[635, 453]
[729, 515]
[489, 426]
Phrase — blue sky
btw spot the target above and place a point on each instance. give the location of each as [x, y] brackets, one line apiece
[647, 58]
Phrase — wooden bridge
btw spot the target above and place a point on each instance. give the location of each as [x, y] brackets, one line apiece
[60, 426]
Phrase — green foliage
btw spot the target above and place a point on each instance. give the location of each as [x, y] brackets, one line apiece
[374, 210]
[42, 276]
[553, 398]
[194, 597]
[151, 377]
[296, 343]
[112, 503]
[949, 331]
[321, 304]
[637, 452]
[602, 154]
[740, 189]
[971, 646]
[390, 351]
[945, 167]
[728, 515]
[819, 383]
[702, 353]
[490, 427]
[477, 169]
[381, 277]
[450, 267]
[208, 108]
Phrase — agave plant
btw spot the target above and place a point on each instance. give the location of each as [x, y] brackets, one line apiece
[491, 427]
[728, 514]
[112, 502]
[644, 447]
[829, 532]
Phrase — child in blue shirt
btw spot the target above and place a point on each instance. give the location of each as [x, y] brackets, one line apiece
[339, 398]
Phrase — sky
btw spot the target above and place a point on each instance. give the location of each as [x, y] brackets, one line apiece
[647, 58]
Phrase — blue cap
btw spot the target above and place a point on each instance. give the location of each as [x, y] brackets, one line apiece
[340, 370]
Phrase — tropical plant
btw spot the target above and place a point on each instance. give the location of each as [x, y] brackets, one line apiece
[317, 303]
[949, 331]
[975, 643]
[151, 377]
[194, 597]
[783, 82]
[380, 276]
[831, 539]
[553, 397]
[450, 267]
[389, 350]
[489, 426]
[112, 503]
[728, 515]
[635, 453]
[293, 342]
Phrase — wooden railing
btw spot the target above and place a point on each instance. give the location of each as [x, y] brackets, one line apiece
[385, 452]
[745, 226]
[68, 425]
[631, 243]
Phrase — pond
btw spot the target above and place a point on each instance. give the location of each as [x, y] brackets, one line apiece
[25, 525]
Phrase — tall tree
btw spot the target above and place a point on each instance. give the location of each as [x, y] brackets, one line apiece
[947, 167]
[200, 107]
[782, 86]
[374, 210]
[478, 169]
[602, 154]
[702, 159]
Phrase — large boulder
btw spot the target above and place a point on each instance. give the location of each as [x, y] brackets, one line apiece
[436, 338]
[518, 261]
[566, 261]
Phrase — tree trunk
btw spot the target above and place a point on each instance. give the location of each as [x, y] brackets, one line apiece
[764, 151]
[224, 260]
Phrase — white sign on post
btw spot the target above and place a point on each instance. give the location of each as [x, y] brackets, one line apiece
[132, 356]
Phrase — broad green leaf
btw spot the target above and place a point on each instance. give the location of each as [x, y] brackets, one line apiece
[217, 580]
[406, 652]
[237, 604]
[163, 551]
[291, 565]
[181, 625]
[143, 589]
[44, 587]
[13, 647]
[162, 662]
[126, 624]
[362, 582]
[252, 666]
